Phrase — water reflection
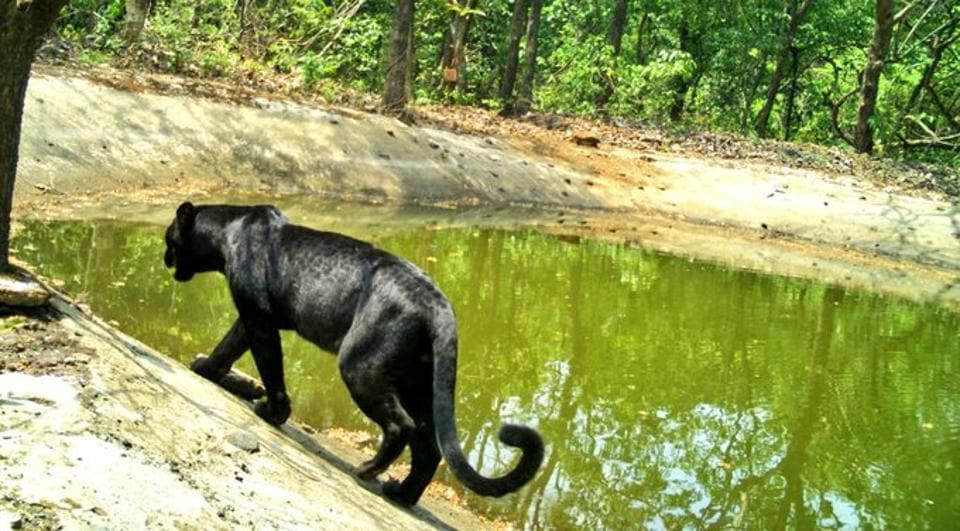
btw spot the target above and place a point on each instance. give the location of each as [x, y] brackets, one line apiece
[671, 393]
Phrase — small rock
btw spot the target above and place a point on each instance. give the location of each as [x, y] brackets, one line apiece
[19, 290]
[585, 139]
[10, 520]
[244, 441]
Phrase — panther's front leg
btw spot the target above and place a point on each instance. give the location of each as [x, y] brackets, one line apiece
[216, 367]
[265, 346]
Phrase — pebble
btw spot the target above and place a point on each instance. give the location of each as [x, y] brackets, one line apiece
[17, 291]
[244, 441]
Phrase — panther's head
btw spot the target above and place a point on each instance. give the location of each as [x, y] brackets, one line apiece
[180, 245]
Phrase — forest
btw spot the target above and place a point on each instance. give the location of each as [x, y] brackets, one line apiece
[880, 76]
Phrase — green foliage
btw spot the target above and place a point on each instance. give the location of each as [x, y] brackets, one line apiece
[356, 57]
[647, 91]
[584, 61]
[93, 24]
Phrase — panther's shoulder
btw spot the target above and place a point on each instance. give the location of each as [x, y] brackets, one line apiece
[268, 214]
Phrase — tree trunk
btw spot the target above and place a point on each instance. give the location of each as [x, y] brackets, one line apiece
[791, 93]
[525, 101]
[750, 94]
[617, 25]
[453, 62]
[513, 53]
[134, 20]
[23, 26]
[615, 39]
[399, 62]
[682, 85]
[641, 31]
[246, 21]
[883, 27]
[797, 13]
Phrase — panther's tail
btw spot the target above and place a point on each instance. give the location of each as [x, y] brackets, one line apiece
[444, 336]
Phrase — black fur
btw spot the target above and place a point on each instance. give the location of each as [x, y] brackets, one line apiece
[393, 329]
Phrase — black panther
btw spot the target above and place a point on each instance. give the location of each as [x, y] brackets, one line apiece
[392, 328]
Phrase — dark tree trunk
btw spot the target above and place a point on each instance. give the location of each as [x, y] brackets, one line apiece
[245, 10]
[641, 31]
[883, 27]
[23, 26]
[513, 55]
[453, 62]
[682, 85]
[400, 60]
[525, 101]
[791, 93]
[797, 13]
[134, 20]
[750, 94]
[618, 23]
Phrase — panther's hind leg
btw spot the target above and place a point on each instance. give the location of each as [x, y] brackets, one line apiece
[397, 427]
[425, 457]
[362, 366]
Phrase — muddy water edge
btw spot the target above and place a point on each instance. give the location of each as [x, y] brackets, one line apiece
[672, 392]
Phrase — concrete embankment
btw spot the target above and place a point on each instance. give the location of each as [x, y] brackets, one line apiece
[99, 431]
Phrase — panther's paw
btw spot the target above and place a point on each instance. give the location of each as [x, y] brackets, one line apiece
[275, 412]
[209, 370]
[242, 385]
[366, 471]
[395, 492]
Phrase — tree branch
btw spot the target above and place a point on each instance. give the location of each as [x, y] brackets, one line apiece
[835, 116]
[343, 13]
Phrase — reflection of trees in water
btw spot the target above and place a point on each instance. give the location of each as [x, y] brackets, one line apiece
[562, 394]
[792, 509]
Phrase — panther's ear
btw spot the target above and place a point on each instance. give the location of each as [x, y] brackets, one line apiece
[186, 213]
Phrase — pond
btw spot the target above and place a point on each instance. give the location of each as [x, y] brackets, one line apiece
[671, 393]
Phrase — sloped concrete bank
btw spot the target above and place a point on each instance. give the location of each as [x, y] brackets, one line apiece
[99, 431]
[82, 138]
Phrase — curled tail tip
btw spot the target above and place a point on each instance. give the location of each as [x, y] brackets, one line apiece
[522, 437]
[530, 443]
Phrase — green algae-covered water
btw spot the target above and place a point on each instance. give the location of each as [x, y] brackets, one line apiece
[671, 393]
